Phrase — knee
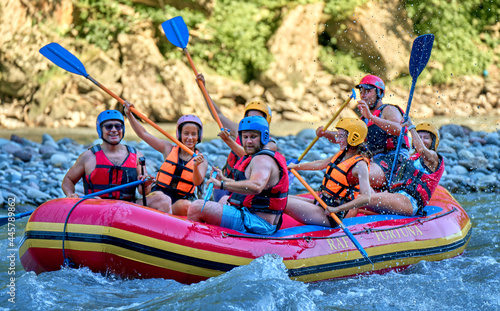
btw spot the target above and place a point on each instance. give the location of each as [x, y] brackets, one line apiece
[194, 209]
[160, 201]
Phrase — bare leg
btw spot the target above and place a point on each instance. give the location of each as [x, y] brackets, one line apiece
[180, 207]
[391, 203]
[212, 212]
[306, 212]
[377, 176]
[160, 201]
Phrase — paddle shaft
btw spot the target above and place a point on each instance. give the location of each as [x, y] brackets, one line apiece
[337, 220]
[140, 115]
[203, 90]
[346, 102]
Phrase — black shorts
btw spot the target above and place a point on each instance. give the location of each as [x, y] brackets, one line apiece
[174, 196]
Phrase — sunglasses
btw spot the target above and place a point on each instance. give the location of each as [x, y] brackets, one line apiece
[117, 126]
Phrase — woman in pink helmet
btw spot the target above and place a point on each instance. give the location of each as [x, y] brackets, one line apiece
[180, 173]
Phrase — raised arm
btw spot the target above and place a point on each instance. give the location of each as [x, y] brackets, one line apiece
[158, 144]
[311, 166]
[429, 156]
[228, 124]
[389, 121]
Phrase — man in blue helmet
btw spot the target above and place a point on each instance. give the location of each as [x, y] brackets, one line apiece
[259, 190]
[109, 164]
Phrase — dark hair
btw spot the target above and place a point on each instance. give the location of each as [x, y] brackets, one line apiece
[363, 150]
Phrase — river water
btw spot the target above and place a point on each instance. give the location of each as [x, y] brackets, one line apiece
[468, 282]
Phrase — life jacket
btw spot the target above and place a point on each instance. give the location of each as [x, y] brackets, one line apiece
[232, 159]
[271, 200]
[378, 140]
[175, 176]
[335, 188]
[416, 183]
[107, 175]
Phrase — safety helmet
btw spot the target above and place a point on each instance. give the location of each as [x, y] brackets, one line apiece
[107, 115]
[260, 106]
[189, 118]
[371, 81]
[356, 128]
[255, 123]
[432, 130]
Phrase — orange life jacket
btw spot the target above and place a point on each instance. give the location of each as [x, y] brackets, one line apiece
[335, 185]
[107, 175]
[175, 176]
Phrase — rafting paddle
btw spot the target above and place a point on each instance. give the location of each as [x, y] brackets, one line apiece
[296, 161]
[4, 220]
[177, 33]
[67, 61]
[337, 220]
[210, 189]
[420, 54]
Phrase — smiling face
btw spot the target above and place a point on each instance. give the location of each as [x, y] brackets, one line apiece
[426, 138]
[250, 140]
[341, 138]
[112, 131]
[189, 135]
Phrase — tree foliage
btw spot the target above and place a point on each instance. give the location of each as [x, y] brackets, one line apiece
[457, 25]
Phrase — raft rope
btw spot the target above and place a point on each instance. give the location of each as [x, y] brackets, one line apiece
[66, 261]
[309, 238]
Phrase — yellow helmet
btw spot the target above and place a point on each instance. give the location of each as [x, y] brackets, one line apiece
[431, 129]
[356, 128]
[260, 106]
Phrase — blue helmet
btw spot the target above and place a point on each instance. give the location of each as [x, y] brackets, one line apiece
[107, 115]
[255, 123]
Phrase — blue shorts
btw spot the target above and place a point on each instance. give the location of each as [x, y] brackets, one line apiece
[244, 221]
[413, 201]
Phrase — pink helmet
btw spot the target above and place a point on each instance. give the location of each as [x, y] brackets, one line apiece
[371, 81]
[189, 118]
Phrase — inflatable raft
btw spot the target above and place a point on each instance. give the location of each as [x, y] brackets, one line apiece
[131, 241]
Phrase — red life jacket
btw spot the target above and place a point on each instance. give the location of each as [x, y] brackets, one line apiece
[378, 140]
[336, 188]
[416, 183]
[107, 175]
[271, 200]
[232, 159]
[175, 176]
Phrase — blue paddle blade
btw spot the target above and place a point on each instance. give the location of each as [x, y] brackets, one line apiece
[176, 31]
[64, 59]
[420, 54]
[356, 243]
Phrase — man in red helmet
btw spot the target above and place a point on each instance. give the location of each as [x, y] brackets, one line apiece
[384, 126]
[109, 164]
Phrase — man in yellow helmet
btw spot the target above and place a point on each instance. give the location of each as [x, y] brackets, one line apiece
[230, 137]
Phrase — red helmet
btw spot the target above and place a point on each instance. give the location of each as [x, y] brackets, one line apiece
[371, 81]
[189, 118]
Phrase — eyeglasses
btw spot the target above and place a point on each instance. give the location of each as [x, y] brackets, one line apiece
[117, 126]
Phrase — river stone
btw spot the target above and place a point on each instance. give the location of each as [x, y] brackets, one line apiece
[58, 159]
[307, 134]
[36, 194]
[13, 176]
[23, 155]
[465, 154]
[1, 199]
[11, 147]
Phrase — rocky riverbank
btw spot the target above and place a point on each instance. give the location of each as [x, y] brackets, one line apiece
[32, 172]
